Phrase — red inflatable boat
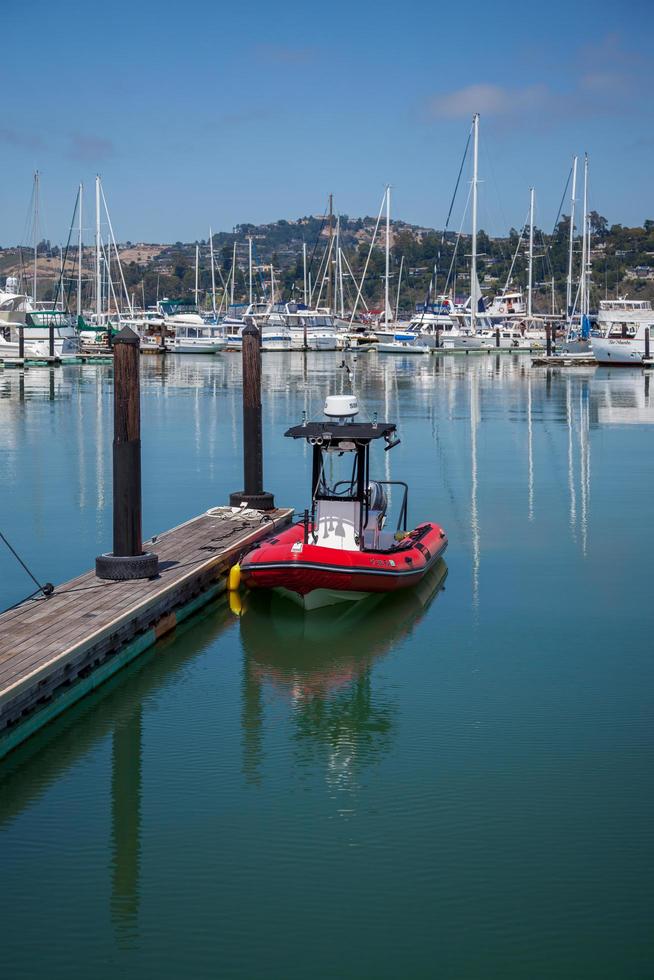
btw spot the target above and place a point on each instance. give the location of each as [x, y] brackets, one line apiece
[341, 550]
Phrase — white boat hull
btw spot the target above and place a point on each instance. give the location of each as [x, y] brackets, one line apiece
[188, 347]
[315, 341]
[40, 347]
[618, 350]
[401, 347]
[461, 342]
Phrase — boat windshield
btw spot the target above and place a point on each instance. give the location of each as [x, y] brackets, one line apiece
[319, 321]
[623, 330]
[339, 475]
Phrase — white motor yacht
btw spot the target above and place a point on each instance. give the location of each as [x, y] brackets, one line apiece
[402, 343]
[180, 312]
[623, 323]
[314, 329]
[507, 305]
[14, 304]
[234, 320]
[194, 339]
[428, 324]
[36, 333]
[510, 337]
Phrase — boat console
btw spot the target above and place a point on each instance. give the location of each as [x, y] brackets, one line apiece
[348, 510]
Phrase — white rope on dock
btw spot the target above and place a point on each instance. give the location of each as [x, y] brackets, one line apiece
[225, 513]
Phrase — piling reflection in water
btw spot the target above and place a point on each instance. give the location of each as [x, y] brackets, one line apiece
[126, 826]
[323, 663]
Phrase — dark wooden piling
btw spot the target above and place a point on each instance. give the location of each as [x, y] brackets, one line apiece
[548, 339]
[127, 560]
[497, 336]
[438, 338]
[21, 342]
[253, 493]
[51, 338]
[647, 343]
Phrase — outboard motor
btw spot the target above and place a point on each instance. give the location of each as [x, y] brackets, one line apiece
[377, 507]
[377, 504]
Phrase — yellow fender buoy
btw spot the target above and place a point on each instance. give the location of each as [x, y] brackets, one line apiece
[234, 578]
[235, 605]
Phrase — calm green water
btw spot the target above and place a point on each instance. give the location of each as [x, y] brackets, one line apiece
[455, 783]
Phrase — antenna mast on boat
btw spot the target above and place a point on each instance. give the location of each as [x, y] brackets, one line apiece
[36, 231]
[473, 257]
[98, 244]
[213, 275]
[79, 255]
[329, 253]
[573, 199]
[388, 254]
[531, 253]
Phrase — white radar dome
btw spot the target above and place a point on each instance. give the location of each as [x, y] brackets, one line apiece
[341, 406]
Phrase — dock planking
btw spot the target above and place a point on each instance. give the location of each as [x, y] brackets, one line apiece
[49, 646]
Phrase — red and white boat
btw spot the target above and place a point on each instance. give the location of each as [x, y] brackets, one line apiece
[341, 551]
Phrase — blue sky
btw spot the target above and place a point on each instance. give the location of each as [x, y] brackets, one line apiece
[197, 113]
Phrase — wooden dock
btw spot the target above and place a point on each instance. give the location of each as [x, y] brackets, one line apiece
[564, 361]
[55, 650]
[39, 360]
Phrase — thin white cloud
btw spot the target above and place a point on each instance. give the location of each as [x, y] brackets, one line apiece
[606, 81]
[89, 148]
[489, 99]
[16, 137]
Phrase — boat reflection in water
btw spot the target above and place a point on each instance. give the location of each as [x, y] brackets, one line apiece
[323, 662]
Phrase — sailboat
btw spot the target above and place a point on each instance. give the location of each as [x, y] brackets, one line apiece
[19, 312]
[391, 338]
[463, 334]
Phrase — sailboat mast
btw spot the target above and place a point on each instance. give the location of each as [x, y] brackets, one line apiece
[573, 200]
[231, 295]
[587, 230]
[329, 254]
[79, 255]
[98, 244]
[473, 256]
[340, 281]
[250, 270]
[399, 284]
[388, 254]
[336, 260]
[213, 275]
[531, 252]
[584, 240]
[304, 266]
[36, 232]
[197, 272]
